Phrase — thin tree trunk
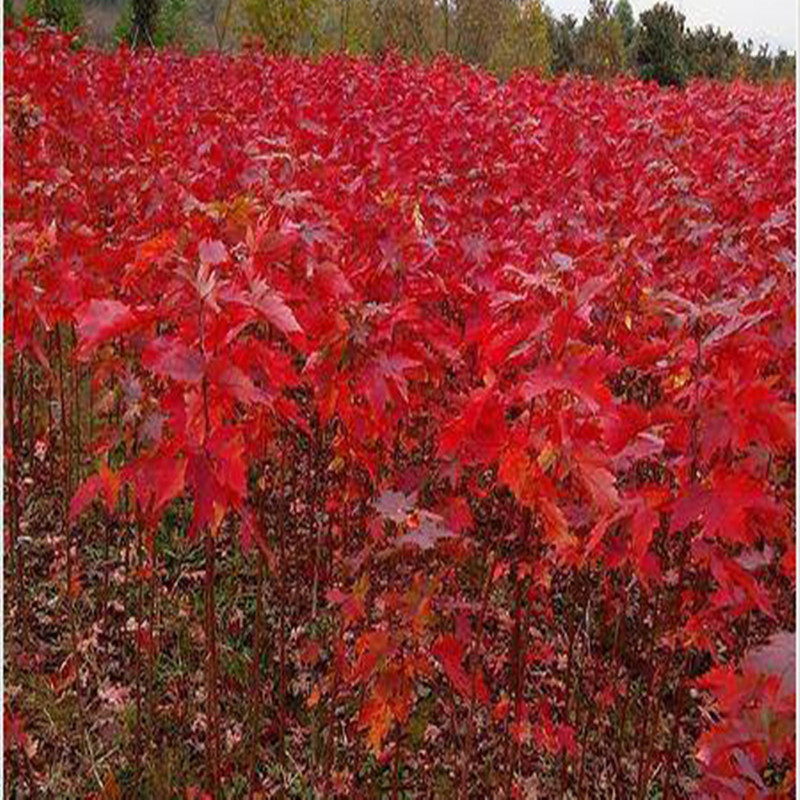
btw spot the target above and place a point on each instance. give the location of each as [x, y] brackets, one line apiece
[282, 617]
[572, 632]
[474, 663]
[139, 615]
[644, 750]
[256, 696]
[151, 650]
[31, 417]
[221, 26]
[518, 649]
[64, 418]
[314, 527]
[103, 611]
[338, 648]
[585, 738]
[13, 479]
[76, 395]
[342, 24]
[212, 710]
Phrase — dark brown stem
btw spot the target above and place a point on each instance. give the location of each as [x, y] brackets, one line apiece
[106, 569]
[139, 615]
[31, 416]
[515, 648]
[398, 743]
[212, 711]
[651, 734]
[256, 707]
[76, 376]
[572, 632]
[674, 739]
[474, 660]
[327, 575]
[585, 736]
[623, 713]
[64, 418]
[282, 616]
[313, 526]
[151, 640]
[620, 741]
[619, 633]
[90, 410]
[66, 528]
[20, 561]
[338, 654]
[331, 743]
[695, 455]
[517, 654]
[51, 436]
[16, 549]
[644, 750]
[212, 705]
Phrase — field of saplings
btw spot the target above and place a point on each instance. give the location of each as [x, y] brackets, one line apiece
[379, 429]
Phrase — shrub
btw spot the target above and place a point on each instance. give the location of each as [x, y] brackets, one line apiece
[660, 52]
[282, 25]
[172, 27]
[64, 14]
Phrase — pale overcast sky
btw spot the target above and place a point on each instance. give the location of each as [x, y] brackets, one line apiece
[771, 21]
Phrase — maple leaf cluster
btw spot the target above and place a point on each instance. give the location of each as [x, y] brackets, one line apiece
[512, 366]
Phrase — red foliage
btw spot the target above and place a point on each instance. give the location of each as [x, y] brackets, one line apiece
[540, 330]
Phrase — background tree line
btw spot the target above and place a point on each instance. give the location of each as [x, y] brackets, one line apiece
[501, 35]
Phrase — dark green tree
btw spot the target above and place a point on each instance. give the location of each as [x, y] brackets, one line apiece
[66, 15]
[784, 66]
[283, 26]
[709, 54]
[623, 14]
[479, 25]
[407, 26]
[756, 66]
[660, 47]
[345, 25]
[172, 25]
[145, 13]
[523, 40]
[601, 47]
[563, 34]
